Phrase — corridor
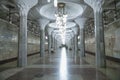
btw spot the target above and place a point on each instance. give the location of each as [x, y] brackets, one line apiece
[59, 39]
[62, 65]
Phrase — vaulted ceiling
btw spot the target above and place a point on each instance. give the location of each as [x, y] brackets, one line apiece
[75, 8]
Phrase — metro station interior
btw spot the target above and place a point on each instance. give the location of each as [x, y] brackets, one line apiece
[59, 39]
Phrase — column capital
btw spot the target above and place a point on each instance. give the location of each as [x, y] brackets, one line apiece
[23, 11]
[28, 3]
[95, 4]
[25, 5]
[81, 22]
[43, 23]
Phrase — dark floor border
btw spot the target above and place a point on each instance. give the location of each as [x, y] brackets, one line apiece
[107, 57]
[15, 58]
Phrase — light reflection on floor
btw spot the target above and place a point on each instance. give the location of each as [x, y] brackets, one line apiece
[63, 65]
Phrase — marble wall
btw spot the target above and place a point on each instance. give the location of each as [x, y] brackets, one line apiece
[112, 40]
[9, 41]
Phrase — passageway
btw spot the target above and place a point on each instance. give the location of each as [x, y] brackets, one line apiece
[59, 39]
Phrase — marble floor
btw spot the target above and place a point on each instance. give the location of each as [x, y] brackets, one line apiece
[62, 65]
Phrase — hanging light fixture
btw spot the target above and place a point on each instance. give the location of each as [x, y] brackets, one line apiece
[61, 19]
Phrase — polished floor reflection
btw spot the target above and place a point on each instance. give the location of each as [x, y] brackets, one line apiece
[63, 66]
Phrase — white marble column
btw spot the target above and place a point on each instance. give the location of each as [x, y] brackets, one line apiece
[81, 23]
[49, 44]
[53, 42]
[76, 45]
[49, 40]
[82, 42]
[24, 8]
[75, 32]
[22, 40]
[55, 46]
[99, 31]
[42, 23]
[42, 42]
[72, 47]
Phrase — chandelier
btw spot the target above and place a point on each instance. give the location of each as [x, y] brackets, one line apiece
[61, 19]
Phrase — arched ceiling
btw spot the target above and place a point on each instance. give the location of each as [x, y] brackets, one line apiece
[71, 30]
[74, 8]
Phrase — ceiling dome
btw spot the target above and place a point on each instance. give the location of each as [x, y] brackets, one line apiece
[73, 10]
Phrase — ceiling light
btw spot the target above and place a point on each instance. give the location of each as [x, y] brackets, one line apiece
[46, 37]
[48, 0]
[55, 3]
